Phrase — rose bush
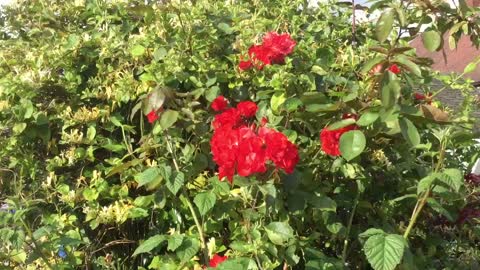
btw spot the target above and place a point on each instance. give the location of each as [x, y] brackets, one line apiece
[233, 135]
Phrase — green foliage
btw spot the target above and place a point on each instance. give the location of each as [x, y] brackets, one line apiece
[87, 181]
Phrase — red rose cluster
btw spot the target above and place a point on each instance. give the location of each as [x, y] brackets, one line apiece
[394, 69]
[238, 145]
[273, 50]
[331, 138]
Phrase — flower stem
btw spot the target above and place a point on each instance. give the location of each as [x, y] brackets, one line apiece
[185, 197]
[422, 201]
[349, 227]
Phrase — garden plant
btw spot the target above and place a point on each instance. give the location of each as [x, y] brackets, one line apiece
[235, 134]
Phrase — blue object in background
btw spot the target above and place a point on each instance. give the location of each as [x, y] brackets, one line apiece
[61, 252]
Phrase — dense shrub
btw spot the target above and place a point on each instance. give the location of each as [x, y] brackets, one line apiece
[114, 133]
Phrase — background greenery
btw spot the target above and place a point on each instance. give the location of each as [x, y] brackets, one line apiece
[88, 183]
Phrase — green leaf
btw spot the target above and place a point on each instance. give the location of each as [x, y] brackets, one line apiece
[176, 182]
[352, 144]
[159, 54]
[404, 61]
[341, 123]
[149, 176]
[426, 182]
[323, 203]
[384, 251]
[137, 50]
[91, 132]
[235, 264]
[188, 249]
[409, 132]
[168, 118]
[432, 40]
[384, 25]
[452, 178]
[279, 233]
[277, 99]
[225, 28]
[367, 118]
[435, 205]
[204, 201]
[371, 63]
[390, 94]
[470, 67]
[19, 128]
[149, 244]
[174, 241]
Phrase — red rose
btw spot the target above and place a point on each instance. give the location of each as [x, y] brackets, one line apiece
[280, 44]
[247, 109]
[280, 150]
[260, 56]
[229, 118]
[251, 156]
[219, 104]
[216, 260]
[273, 50]
[394, 69]
[244, 65]
[152, 116]
[331, 138]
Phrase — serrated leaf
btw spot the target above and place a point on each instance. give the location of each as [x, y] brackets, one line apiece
[352, 144]
[174, 241]
[384, 251]
[204, 201]
[149, 244]
[279, 233]
[435, 205]
[452, 177]
[150, 175]
[176, 182]
[426, 182]
[188, 249]
[384, 25]
[432, 40]
[409, 132]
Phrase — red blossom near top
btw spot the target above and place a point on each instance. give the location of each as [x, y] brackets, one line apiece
[473, 179]
[280, 44]
[152, 116]
[273, 50]
[219, 104]
[247, 108]
[216, 260]
[394, 69]
[331, 139]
